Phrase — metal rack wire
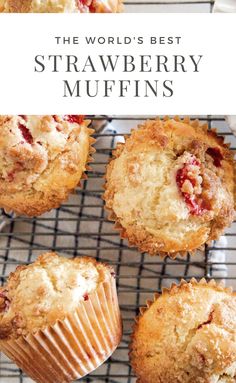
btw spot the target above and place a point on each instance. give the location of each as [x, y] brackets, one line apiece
[81, 227]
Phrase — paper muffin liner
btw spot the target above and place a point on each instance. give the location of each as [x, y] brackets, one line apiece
[116, 154]
[91, 151]
[74, 346]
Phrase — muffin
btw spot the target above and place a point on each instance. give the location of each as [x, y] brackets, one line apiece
[188, 334]
[170, 187]
[59, 317]
[42, 159]
[60, 6]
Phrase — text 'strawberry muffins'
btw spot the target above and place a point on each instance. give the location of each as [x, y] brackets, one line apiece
[187, 335]
[59, 317]
[42, 159]
[60, 6]
[170, 187]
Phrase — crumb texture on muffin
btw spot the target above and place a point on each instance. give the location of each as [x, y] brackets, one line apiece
[170, 186]
[187, 335]
[60, 6]
[42, 158]
[47, 290]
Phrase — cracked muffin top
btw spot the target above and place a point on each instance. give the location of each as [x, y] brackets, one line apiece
[60, 6]
[187, 335]
[47, 290]
[41, 159]
[170, 187]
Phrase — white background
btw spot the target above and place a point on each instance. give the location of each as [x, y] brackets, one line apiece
[212, 91]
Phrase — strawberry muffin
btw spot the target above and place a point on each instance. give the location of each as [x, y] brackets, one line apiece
[42, 159]
[59, 317]
[170, 186]
[188, 334]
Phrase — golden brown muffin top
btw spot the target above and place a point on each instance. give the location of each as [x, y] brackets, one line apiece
[187, 335]
[47, 290]
[170, 186]
[42, 159]
[60, 6]
[30, 145]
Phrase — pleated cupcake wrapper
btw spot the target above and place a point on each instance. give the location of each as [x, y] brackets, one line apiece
[117, 152]
[75, 346]
[92, 150]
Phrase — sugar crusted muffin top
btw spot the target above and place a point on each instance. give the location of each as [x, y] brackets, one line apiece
[187, 335]
[42, 158]
[170, 187]
[60, 6]
[29, 144]
[47, 290]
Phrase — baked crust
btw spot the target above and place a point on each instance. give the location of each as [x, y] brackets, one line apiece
[153, 206]
[60, 6]
[42, 160]
[188, 334]
[46, 291]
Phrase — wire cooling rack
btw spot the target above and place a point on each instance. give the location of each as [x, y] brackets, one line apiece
[169, 6]
[81, 227]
